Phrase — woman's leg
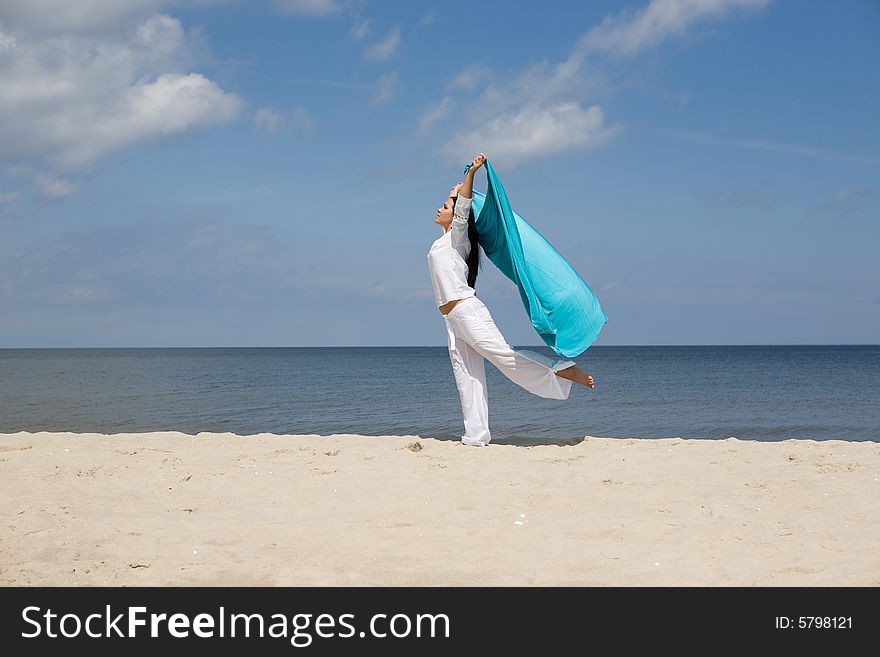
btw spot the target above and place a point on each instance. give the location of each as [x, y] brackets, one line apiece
[468, 368]
[533, 371]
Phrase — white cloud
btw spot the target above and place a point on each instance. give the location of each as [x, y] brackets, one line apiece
[359, 30]
[384, 89]
[162, 34]
[497, 119]
[429, 18]
[471, 77]
[6, 41]
[90, 16]
[309, 7]
[43, 17]
[48, 185]
[68, 99]
[534, 131]
[437, 113]
[8, 197]
[540, 111]
[52, 186]
[270, 122]
[661, 19]
[385, 48]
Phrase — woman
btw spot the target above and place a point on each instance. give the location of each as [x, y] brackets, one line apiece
[453, 262]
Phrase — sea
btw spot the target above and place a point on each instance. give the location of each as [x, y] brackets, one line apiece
[766, 393]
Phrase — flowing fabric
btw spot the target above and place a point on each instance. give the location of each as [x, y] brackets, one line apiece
[561, 306]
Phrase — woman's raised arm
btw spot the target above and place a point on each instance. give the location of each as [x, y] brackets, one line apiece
[467, 188]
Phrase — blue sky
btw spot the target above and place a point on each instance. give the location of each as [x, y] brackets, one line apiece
[230, 173]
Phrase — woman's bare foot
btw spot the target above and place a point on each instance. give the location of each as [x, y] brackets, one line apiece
[576, 374]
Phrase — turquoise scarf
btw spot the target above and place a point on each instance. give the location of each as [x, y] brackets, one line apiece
[561, 306]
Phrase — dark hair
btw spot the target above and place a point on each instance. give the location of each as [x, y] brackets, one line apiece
[473, 259]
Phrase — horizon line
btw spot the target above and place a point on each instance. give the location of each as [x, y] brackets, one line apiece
[525, 346]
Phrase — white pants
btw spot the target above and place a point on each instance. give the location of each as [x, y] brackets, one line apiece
[473, 336]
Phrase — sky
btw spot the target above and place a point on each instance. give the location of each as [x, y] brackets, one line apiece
[228, 173]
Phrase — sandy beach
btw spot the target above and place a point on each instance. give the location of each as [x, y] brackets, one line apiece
[218, 509]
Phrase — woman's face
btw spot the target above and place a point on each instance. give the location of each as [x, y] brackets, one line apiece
[444, 213]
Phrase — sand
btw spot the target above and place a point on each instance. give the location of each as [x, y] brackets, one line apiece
[219, 509]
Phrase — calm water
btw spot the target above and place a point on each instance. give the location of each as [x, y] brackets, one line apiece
[761, 393]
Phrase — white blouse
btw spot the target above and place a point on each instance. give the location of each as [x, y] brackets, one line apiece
[448, 255]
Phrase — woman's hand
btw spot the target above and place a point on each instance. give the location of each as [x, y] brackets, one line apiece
[476, 163]
[454, 191]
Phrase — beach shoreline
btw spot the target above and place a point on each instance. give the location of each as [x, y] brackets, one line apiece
[220, 509]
